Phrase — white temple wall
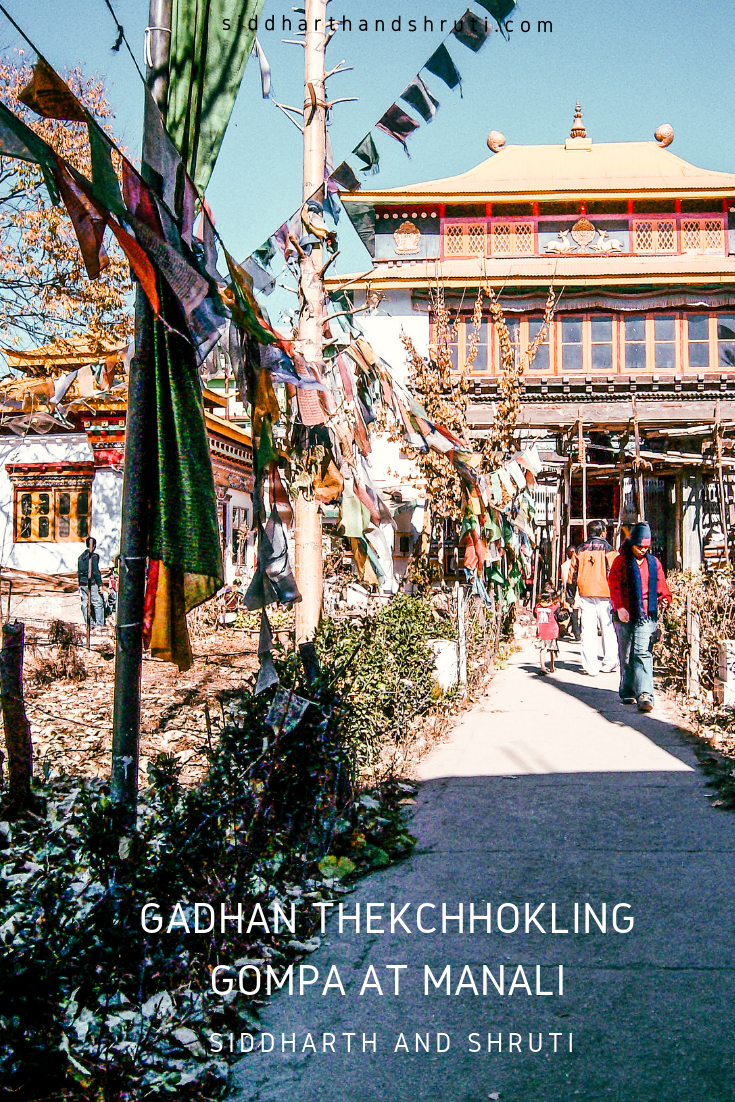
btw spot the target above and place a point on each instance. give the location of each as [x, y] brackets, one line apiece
[383, 330]
[43, 558]
[106, 514]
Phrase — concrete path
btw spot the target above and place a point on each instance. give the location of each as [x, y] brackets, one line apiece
[549, 791]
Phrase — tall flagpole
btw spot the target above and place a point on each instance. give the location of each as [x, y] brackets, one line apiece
[134, 535]
[310, 336]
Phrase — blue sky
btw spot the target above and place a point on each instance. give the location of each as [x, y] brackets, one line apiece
[633, 66]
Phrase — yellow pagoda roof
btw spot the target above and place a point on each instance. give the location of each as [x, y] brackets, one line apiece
[578, 168]
[54, 356]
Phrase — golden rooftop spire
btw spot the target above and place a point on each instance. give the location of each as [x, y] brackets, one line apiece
[578, 130]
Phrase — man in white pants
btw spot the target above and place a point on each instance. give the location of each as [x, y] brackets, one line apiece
[594, 559]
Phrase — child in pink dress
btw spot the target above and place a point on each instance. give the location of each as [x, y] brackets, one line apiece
[547, 629]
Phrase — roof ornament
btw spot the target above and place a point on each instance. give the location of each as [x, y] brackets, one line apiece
[578, 130]
[664, 135]
[495, 141]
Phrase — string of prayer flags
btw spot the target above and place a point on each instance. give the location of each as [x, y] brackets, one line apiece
[420, 98]
[472, 31]
[397, 124]
[441, 65]
[366, 152]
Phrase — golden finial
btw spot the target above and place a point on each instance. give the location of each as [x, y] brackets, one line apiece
[664, 135]
[578, 130]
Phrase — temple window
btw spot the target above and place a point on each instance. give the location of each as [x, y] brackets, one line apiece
[605, 343]
[513, 239]
[541, 360]
[572, 345]
[654, 235]
[465, 239]
[702, 235]
[51, 516]
[698, 340]
[52, 503]
[664, 338]
[726, 341]
[601, 343]
[635, 341]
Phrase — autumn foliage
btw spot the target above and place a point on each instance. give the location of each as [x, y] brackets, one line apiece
[45, 294]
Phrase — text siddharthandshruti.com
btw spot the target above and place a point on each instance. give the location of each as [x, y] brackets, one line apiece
[289, 24]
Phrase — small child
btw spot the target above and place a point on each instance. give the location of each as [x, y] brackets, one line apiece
[547, 629]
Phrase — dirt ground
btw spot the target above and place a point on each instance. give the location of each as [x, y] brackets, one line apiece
[71, 722]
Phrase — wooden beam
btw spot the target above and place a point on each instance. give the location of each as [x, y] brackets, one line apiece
[582, 449]
[639, 482]
[612, 415]
[721, 482]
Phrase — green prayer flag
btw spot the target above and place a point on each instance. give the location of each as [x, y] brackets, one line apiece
[183, 523]
[368, 154]
[18, 140]
[353, 513]
[362, 217]
[211, 41]
[105, 184]
[499, 9]
[267, 450]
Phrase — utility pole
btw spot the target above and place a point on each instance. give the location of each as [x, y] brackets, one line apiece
[134, 536]
[310, 336]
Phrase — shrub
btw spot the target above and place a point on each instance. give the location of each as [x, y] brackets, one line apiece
[713, 601]
[383, 666]
[91, 1006]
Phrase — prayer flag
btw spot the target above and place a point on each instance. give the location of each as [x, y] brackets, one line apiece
[398, 124]
[265, 69]
[273, 580]
[441, 65]
[499, 9]
[362, 217]
[89, 224]
[420, 98]
[19, 140]
[345, 177]
[184, 537]
[161, 155]
[472, 31]
[368, 154]
[211, 41]
[104, 178]
[266, 252]
[50, 96]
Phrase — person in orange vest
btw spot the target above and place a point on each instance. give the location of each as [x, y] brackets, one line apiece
[594, 558]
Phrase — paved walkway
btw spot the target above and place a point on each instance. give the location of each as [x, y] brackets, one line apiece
[549, 791]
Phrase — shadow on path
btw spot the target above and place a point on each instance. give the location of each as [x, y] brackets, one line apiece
[549, 791]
